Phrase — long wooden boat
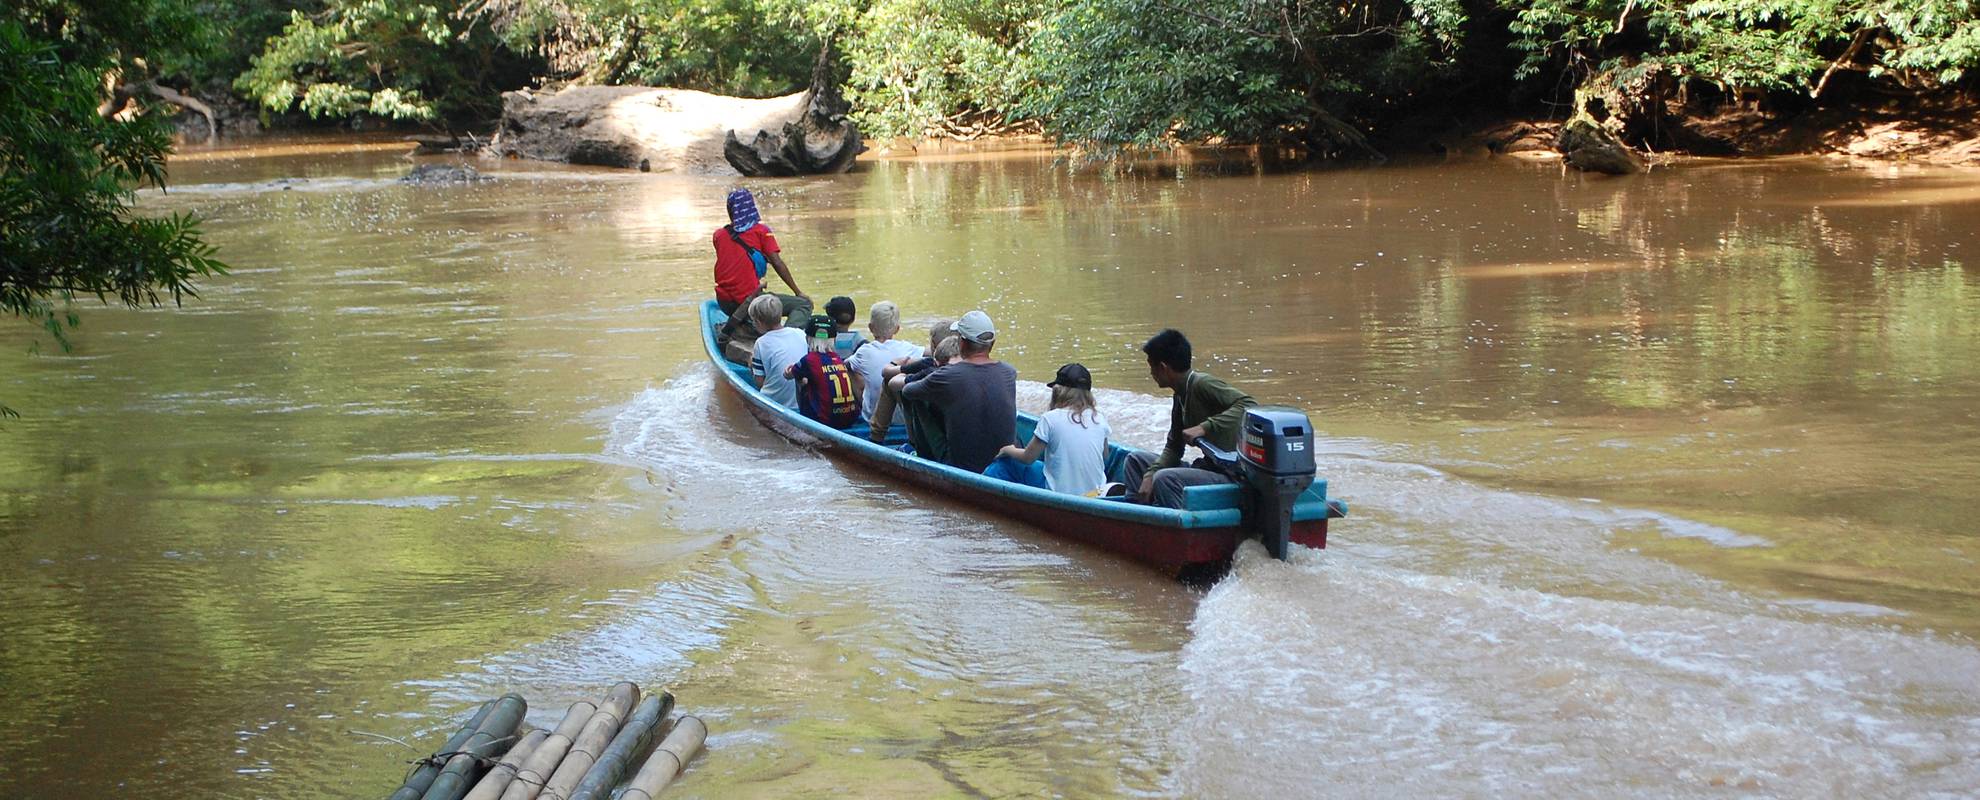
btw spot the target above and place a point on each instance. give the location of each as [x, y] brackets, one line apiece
[1196, 539]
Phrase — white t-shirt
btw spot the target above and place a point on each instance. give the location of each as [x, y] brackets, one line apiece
[1075, 455]
[868, 363]
[775, 352]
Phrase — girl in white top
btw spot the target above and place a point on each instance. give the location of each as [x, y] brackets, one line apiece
[1072, 437]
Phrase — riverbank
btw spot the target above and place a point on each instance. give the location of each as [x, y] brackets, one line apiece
[1936, 129]
[687, 136]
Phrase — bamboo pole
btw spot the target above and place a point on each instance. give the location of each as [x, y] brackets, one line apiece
[590, 742]
[537, 768]
[667, 760]
[496, 735]
[633, 738]
[421, 778]
[503, 772]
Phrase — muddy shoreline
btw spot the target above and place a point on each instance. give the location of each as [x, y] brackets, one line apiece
[1945, 133]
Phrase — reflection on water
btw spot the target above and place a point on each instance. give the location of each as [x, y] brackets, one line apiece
[1657, 483]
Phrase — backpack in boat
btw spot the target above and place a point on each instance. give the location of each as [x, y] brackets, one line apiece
[826, 392]
[737, 338]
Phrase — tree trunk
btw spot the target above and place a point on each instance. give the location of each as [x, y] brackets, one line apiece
[1592, 148]
[189, 102]
[1330, 138]
[120, 95]
[821, 142]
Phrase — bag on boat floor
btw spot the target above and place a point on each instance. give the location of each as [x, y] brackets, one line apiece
[738, 341]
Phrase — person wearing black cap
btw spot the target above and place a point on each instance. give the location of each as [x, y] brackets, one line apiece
[1068, 450]
[824, 385]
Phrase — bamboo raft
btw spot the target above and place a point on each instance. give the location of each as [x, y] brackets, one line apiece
[495, 755]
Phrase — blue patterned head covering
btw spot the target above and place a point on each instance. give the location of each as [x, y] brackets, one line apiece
[742, 210]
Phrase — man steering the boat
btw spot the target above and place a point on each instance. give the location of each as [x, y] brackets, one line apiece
[744, 252]
[1202, 407]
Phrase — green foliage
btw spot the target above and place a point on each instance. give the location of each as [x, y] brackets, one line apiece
[386, 58]
[734, 47]
[112, 33]
[942, 66]
[737, 47]
[1138, 72]
[225, 49]
[68, 174]
[1134, 72]
[1767, 44]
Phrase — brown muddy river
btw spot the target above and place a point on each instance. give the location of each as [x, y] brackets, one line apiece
[1663, 486]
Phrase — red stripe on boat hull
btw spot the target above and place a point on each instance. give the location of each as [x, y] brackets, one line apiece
[1172, 550]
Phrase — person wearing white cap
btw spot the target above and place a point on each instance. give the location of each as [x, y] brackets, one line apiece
[976, 394]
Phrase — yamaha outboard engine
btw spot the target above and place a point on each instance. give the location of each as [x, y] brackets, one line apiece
[1276, 458]
[1274, 464]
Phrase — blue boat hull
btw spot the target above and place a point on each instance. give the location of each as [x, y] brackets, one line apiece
[1177, 541]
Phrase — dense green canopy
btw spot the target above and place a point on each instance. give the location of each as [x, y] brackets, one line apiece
[72, 152]
[1112, 72]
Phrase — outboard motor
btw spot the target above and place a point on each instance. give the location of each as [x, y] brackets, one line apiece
[1274, 464]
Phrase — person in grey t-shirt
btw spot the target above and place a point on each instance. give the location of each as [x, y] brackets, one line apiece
[977, 396]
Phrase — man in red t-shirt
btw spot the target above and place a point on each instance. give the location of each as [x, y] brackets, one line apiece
[743, 249]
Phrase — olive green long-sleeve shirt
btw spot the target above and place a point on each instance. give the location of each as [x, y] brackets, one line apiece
[1207, 401]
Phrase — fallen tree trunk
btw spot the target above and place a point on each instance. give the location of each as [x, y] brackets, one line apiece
[820, 141]
[1330, 138]
[1587, 146]
[793, 152]
[634, 127]
[188, 102]
[121, 95]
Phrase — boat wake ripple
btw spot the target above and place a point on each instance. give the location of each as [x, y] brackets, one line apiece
[1334, 675]
[1456, 639]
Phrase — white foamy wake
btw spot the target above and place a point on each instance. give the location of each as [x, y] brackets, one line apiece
[938, 598]
[1455, 640]
[1460, 640]
[1333, 676]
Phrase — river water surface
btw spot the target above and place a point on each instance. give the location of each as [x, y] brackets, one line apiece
[1660, 486]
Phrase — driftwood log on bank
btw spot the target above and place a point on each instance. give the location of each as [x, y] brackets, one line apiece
[633, 127]
[802, 148]
[1589, 147]
[679, 130]
[642, 127]
[820, 141]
